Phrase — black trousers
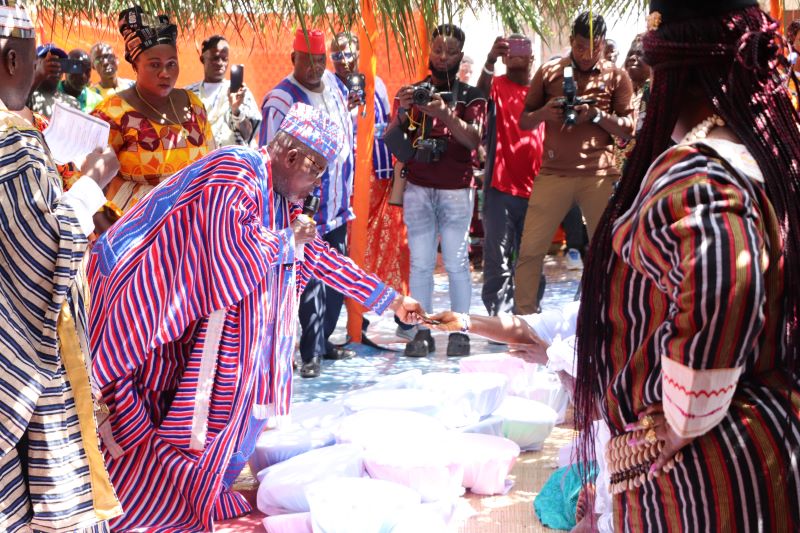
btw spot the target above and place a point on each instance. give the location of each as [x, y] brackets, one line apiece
[503, 222]
[320, 306]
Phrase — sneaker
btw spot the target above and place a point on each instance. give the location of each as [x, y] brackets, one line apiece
[406, 333]
[573, 259]
[457, 345]
[421, 345]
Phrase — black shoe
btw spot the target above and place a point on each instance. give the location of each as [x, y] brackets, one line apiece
[422, 344]
[310, 369]
[338, 353]
[457, 345]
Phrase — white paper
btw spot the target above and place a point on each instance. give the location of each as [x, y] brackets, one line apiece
[72, 134]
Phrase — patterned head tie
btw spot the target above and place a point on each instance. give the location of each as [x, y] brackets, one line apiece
[314, 129]
[142, 31]
[15, 21]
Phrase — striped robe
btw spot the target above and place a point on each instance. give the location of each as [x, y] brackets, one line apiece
[697, 315]
[45, 469]
[193, 322]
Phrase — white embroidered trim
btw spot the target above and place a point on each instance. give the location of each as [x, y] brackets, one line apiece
[205, 380]
[696, 400]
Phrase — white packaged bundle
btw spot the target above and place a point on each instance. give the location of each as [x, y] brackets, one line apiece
[545, 387]
[526, 422]
[277, 445]
[486, 460]
[316, 414]
[283, 485]
[467, 397]
[375, 427]
[359, 505]
[288, 523]
[418, 401]
[426, 466]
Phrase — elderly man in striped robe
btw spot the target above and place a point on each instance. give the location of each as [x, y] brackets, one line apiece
[195, 295]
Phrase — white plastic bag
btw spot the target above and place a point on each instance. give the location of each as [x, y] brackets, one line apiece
[526, 422]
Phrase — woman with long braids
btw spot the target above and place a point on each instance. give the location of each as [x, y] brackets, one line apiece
[689, 349]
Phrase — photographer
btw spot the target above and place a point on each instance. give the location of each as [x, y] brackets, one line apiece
[583, 99]
[47, 76]
[436, 132]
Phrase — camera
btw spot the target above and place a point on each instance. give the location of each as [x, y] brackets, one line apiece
[571, 99]
[72, 66]
[355, 84]
[423, 93]
[429, 150]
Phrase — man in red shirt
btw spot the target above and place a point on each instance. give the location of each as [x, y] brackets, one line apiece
[513, 161]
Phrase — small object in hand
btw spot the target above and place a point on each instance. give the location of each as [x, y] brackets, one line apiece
[428, 320]
[647, 422]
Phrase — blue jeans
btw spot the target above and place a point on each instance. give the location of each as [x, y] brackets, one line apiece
[430, 214]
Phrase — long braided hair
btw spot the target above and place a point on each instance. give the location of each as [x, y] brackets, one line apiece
[735, 60]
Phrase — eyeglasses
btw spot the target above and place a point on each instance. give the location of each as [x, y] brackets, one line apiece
[319, 168]
[342, 56]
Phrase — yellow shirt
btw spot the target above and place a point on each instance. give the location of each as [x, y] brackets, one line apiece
[148, 152]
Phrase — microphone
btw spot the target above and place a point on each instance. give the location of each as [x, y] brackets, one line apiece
[310, 205]
[310, 208]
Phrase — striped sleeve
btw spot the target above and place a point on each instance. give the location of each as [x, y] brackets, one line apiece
[276, 105]
[699, 238]
[41, 245]
[341, 273]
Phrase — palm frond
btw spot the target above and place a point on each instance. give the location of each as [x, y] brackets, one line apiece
[397, 17]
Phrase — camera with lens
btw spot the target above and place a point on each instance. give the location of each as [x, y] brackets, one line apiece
[423, 93]
[571, 98]
[355, 84]
[429, 150]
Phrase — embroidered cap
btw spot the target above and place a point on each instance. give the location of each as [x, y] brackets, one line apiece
[313, 44]
[15, 21]
[314, 129]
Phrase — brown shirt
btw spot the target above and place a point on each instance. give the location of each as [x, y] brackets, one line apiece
[584, 149]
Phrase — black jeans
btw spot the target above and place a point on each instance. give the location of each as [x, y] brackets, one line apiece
[503, 222]
[575, 230]
[320, 306]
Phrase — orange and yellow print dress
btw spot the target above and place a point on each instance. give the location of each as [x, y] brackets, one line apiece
[148, 152]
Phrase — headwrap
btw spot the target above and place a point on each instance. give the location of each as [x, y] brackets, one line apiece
[15, 21]
[142, 32]
[314, 129]
[678, 10]
[313, 44]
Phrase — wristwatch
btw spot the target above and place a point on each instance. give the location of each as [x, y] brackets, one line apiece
[597, 117]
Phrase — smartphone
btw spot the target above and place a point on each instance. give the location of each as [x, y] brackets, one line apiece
[237, 77]
[72, 66]
[519, 47]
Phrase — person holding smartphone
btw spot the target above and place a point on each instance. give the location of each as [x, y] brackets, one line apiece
[46, 78]
[231, 107]
[513, 160]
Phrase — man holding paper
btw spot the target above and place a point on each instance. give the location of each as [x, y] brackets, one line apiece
[46, 397]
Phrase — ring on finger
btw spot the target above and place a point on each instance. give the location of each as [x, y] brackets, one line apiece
[650, 437]
[647, 422]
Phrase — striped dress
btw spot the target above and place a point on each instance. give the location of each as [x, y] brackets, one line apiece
[193, 323]
[696, 313]
[51, 470]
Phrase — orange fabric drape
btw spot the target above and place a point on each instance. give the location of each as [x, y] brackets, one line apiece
[367, 65]
[776, 11]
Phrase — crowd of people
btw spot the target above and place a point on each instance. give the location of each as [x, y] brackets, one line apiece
[152, 291]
